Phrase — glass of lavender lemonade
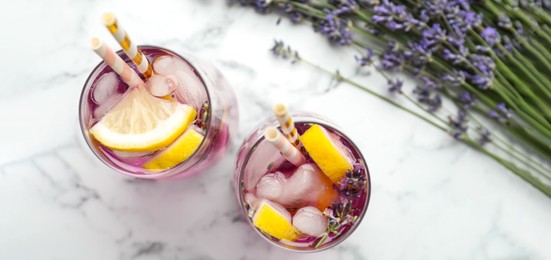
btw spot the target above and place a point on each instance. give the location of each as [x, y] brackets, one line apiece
[303, 194]
[177, 124]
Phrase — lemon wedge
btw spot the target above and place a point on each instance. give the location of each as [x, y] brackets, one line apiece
[177, 152]
[275, 220]
[330, 155]
[140, 122]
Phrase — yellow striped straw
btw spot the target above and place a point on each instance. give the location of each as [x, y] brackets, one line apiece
[287, 125]
[291, 153]
[110, 21]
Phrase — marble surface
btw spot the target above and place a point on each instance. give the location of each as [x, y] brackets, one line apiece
[432, 198]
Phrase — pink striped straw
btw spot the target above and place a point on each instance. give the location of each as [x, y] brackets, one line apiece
[291, 153]
[116, 63]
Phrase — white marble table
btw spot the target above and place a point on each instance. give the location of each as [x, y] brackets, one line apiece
[432, 198]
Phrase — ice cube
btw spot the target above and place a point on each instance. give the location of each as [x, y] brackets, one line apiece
[105, 88]
[309, 220]
[307, 186]
[160, 85]
[104, 107]
[271, 186]
[264, 158]
[163, 65]
[190, 88]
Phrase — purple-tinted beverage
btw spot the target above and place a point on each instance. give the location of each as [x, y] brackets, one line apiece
[307, 207]
[178, 123]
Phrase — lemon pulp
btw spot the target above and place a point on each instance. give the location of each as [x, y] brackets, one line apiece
[140, 122]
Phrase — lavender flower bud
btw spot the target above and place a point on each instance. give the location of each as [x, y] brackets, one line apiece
[467, 99]
[484, 136]
[490, 35]
[458, 124]
[502, 114]
[395, 86]
[504, 21]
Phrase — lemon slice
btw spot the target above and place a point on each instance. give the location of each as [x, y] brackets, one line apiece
[140, 122]
[330, 155]
[275, 220]
[177, 152]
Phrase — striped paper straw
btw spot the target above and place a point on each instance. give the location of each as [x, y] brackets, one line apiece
[287, 124]
[116, 63]
[110, 21]
[291, 153]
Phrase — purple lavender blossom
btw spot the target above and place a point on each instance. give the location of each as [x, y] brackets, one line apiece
[394, 17]
[392, 58]
[354, 182]
[366, 59]
[465, 20]
[426, 95]
[456, 58]
[502, 114]
[457, 41]
[467, 99]
[392, 61]
[464, 4]
[432, 37]
[261, 5]
[484, 135]
[434, 103]
[284, 51]
[504, 21]
[457, 78]
[429, 84]
[294, 15]
[334, 27]
[417, 55]
[503, 109]
[480, 81]
[424, 16]
[458, 124]
[395, 86]
[437, 8]
[508, 44]
[490, 35]
[485, 70]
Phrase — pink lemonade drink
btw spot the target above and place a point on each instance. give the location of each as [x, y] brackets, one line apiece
[307, 204]
[177, 123]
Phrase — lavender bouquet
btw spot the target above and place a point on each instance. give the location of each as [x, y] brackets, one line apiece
[490, 59]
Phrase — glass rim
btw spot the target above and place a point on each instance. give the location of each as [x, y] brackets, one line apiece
[303, 117]
[153, 175]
